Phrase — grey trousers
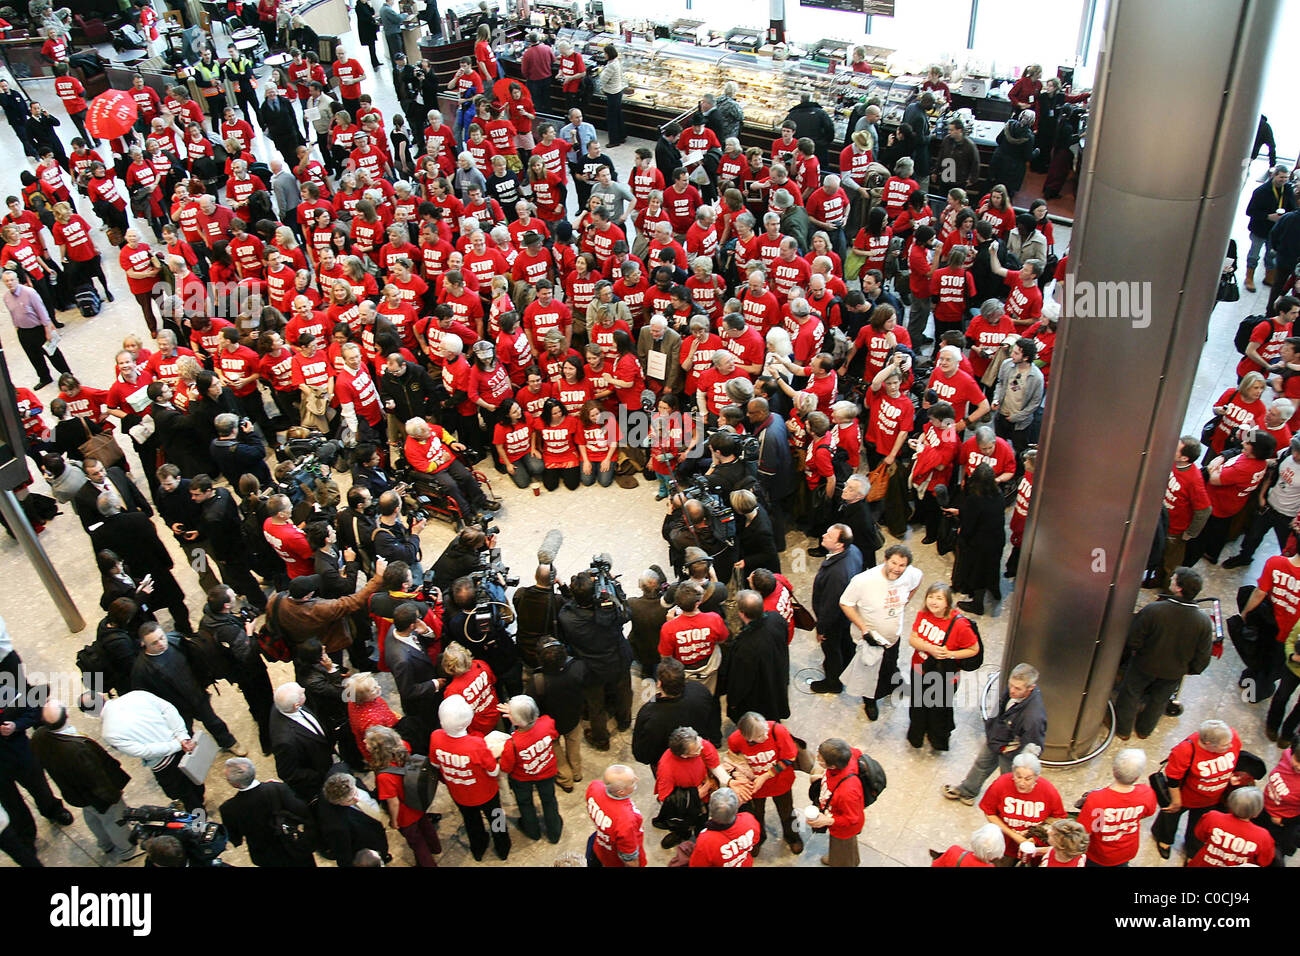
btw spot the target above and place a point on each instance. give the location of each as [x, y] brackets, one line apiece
[110, 836]
[985, 763]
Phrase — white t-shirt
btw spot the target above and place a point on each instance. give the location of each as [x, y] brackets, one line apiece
[1284, 496]
[881, 602]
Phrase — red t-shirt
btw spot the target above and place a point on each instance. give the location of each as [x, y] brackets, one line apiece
[350, 74]
[137, 260]
[476, 685]
[691, 637]
[1001, 461]
[1237, 413]
[956, 856]
[1238, 479]
[673, 771]
[1202, 774]
[1280, 580]
[1184, 494]
[530, 754]
[467, 767]
[841, 796]
[1020, 811]
[236, 365]
[288, 541]
[937, 631]
[763, 756]
[681, 208]
[619, 830]
[1230, 841]
[734, 846]
[1114, 823]
[961, 391]
[889, 417]
[559, 443]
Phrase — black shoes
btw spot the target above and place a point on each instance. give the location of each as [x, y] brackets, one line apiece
[1239, 561]
[825, 686]
[971, 607]
[63, 818]
[818, 552]
[42, 384]
[871, 707]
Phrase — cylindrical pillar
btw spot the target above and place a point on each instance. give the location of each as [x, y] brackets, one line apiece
[1173, 114]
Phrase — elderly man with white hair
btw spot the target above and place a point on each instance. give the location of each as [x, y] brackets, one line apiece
[470, 770]
[730, 838]
[286, 192]
[986, 846]
[1020, 722]
[1113, 815]
[301, 743]
[431, 450]
[958, 389]
[828, 210]
[658, 348]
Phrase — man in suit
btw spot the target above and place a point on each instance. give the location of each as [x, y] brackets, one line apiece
[280, 123]
[756, 666]
[131, 532]
[176, 434]
[346, 829]
[405, 655]
[219, 526]
[301, 744]
[842, 562]
[775, 468]
[251, 815]
[88, 777]
[657, 337]
[854, 511]
[164, 672]
[100, 480]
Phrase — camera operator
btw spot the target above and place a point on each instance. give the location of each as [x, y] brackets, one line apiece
[462, 557]
[248, 671]
[484, 633]
[393, 540]
[370, 470]
[698, 567]
[537, 608]
[693, 527]
[601, 646]
[355, 525]
[238, 450]
[728, 472]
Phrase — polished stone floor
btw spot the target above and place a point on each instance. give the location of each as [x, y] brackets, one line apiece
[910, 818]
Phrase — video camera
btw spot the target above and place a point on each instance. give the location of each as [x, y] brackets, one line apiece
[490, 581]
[313, 459]
[202, 839]
[608, 600]
[722, 520]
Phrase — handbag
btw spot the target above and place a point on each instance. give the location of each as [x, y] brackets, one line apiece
[879, 480]
[1228, 291]
[1208, 429]
[803, 758]
[803, 618]
[101, 447]
[1160, 784]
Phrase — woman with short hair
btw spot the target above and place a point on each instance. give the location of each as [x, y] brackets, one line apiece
[755, 540]
[685, 775]
[388, 756]
[939, 636]
[530, 760]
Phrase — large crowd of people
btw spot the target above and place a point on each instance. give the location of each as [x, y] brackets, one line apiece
[413, 301]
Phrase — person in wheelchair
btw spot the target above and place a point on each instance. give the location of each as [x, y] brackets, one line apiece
[432, 452]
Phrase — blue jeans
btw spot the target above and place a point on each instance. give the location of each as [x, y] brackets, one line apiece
[605, 476]
[1252, 255]
[523, 791]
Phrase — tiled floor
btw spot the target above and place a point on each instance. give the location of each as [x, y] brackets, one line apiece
[910, 817]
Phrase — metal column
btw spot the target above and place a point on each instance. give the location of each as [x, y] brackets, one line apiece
[1173, 116]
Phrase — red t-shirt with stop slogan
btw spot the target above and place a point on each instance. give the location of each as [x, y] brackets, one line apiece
[1184, 495]
[1280, 580]
[1230, 841]
[763, 756]
[691, 637]
[530, 754]
[960, 391]
[1202, 774]
[466, 766]
[1020, 811]
[733, 846]
[619, 830]
[1114, 823]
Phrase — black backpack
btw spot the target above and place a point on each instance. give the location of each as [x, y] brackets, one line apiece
[419, 781]
[1241, 340]
[210, 659]
[94, 665]
[88, 301]
[975, 661]
[870, 775]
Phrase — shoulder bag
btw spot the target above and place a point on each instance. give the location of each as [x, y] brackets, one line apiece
[101, 447]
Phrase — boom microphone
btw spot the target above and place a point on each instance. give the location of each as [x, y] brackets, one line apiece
[550, 546]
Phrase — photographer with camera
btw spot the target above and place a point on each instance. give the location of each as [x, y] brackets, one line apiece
[711, 529]
[393, 539]
[729, 472]
[398, 587]
[355, 525]
[238, 450]
[233, 630]
[597, 640]
[473, 619]
[463, 556]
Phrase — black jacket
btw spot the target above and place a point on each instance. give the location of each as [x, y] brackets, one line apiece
[656, 721]
[279, 121]
[560, 695]
[228, 629]
[86, 500]
[338, 577]
[831, 580]
[756, 669]
[346, 830]
[414, 674]
[1170, 638]
[1025, 723]
[857, 515]
[356, 531]
[219, 525]
[412, 393]
[456, 561]
[812, 121]
[395, 543]
[239, 456]
[131, 535]
[251, 815]
[603, 648]
[324, 690]
[86, 774]
[378, 480]
[120, 648]
[536, 611]
[302, 759]
[756, 542]
[668, 158]
[168, 675]
[177, 507]
[1263, 203]
[181, 440]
